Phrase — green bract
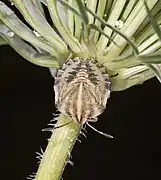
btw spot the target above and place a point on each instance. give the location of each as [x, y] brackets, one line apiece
[123, 35]
[120, 34]
[117, 33]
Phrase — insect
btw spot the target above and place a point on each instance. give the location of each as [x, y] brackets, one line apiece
[82, 88]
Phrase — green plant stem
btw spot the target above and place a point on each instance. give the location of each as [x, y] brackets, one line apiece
[58, 150]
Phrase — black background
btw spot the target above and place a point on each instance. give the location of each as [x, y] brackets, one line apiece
[132, 116]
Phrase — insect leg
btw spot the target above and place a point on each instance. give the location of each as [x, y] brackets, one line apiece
[104, 134]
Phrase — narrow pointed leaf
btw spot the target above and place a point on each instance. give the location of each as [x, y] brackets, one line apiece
[78, 19]
[39, 5]
[83, 12]
[121, 62]
[16, 25]
[27, 51]
[131, 25]
[114, 14]
[71, 8]
[93, 26]
[64, 31]
[91, 4]
[153, 21]
[36, 19]
[100, 13]
[70, 19]
[129, 77]
[129, 41]
[152, 58]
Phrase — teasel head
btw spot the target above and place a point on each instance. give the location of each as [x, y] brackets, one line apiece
[87, 30]
[122, 36]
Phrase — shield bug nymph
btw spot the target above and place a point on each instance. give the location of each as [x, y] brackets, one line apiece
[82, 88]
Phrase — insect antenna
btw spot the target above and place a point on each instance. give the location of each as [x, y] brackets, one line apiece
[104, 134]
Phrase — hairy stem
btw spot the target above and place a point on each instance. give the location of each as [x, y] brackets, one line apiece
[58, 150]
